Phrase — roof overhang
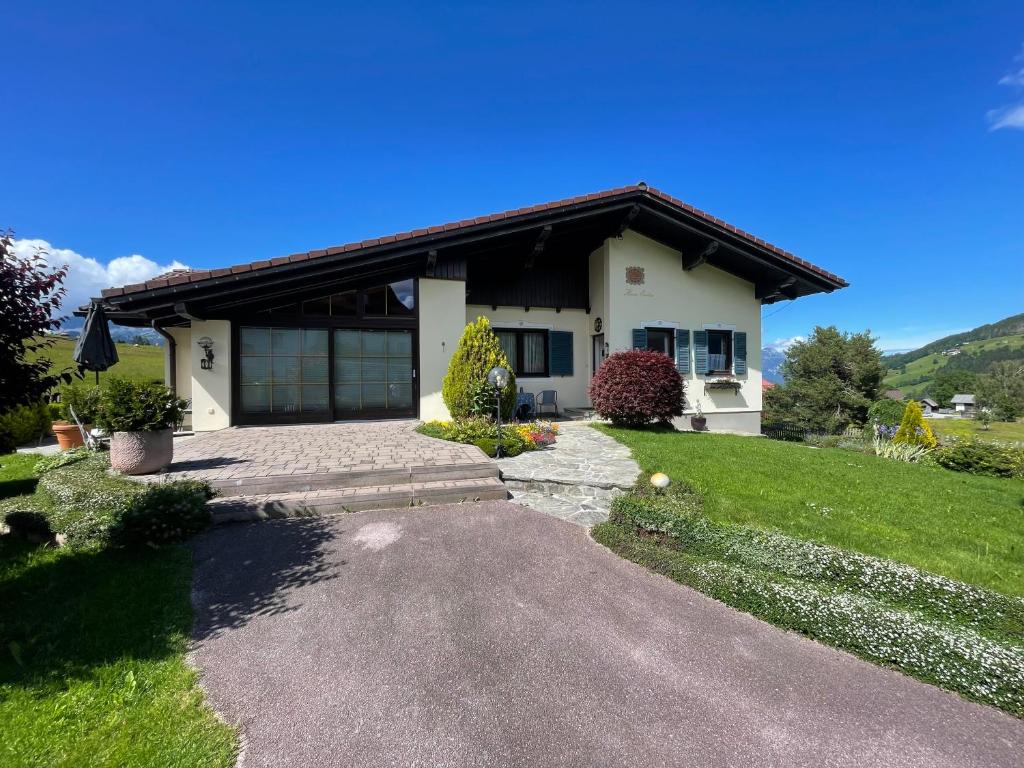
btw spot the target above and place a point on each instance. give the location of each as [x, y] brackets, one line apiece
[540, 232]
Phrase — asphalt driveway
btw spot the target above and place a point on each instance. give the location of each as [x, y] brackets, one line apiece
[495, 635]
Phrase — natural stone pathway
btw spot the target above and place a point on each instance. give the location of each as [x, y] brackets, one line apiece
[575, 479]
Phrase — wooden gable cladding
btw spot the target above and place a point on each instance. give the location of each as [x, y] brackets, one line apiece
[559, 282]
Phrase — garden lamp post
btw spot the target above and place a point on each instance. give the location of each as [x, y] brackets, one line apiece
[497, 377]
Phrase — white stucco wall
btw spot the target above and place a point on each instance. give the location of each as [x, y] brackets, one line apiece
[210, 390]
[442, 310]
[572, 390]
[183, 355]
[701, 298]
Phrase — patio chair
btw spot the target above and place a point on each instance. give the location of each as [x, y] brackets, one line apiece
[526, 405]
[548, 397]
[94, 438]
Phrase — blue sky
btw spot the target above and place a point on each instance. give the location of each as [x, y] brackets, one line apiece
[882, 141]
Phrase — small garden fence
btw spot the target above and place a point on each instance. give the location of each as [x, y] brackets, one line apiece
[796, 434]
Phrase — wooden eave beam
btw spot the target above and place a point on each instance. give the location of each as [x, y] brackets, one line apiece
[627, 220]
[692, 262]
[776, 291]
[538, 246]
[431, 262]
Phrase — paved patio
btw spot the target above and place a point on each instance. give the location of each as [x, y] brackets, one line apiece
[238, 453]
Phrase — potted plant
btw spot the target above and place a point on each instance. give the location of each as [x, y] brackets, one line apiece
[698, 421]
[139, 417]
[84, 401]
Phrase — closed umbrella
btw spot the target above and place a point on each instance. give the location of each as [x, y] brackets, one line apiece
[95, 350]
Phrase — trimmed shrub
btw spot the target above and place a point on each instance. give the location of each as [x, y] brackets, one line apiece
[164, 514]
[914, 430]
[634, 388]
[133, 406]
[23, 424]
[478, 352]
[85, 401]
[980, 457]
[887, 412]
[93, 508]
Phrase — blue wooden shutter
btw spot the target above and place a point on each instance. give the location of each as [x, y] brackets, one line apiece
[739, 353]
[639, 338]
[700, 351]
[683, 351]
[560, 353]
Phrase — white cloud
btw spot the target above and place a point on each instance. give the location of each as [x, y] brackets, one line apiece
[1009, 115]
[781, 345]
[88, 276]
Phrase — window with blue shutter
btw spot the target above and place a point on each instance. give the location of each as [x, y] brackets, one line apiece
[560, 353]
[639, 338]
[683, 351]
[739, 353]
[700, 351]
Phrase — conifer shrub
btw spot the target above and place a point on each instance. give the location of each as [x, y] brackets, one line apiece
[635, 388]
[478, 352]
[914, 430]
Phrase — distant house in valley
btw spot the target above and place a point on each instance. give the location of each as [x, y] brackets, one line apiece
[929, 406]
[894, 394]
[964, 405]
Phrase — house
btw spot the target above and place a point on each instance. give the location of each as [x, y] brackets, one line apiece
[964, 405]
[366, 330]
[928, 406]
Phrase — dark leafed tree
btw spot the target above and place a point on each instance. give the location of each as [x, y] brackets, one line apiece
[30, 295]
[831, 380]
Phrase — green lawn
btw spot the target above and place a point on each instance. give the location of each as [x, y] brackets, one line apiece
[92, 658]
[998, 430]
[16, 476]
[961, 526]
[142, 363]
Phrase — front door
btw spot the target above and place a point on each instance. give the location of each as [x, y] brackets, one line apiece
[373, 373]
[598, 351]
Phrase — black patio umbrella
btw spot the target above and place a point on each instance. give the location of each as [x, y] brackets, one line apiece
[95, 350]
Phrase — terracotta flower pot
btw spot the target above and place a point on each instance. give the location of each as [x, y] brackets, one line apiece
[699, 423]
[141, 453]
[68, 435]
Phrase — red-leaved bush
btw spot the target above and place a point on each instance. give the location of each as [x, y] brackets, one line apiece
[635, 388]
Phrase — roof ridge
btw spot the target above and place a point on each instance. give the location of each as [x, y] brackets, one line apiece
[177, 277]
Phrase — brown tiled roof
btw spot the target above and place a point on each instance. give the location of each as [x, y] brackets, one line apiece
[179, 277]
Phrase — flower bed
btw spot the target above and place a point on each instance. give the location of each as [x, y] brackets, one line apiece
[964, 638]
[483, 433]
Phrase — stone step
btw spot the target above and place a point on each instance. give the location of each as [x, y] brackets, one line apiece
[327, 481]
[354, 499]
[604, 491]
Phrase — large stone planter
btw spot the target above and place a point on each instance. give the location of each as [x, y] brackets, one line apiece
[141, 453]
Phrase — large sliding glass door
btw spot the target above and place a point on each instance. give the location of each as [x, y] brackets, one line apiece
[373, 373]
[283, 374]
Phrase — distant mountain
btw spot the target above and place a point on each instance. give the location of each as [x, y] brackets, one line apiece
[772, 359]
[1010, 326]
[120, 333]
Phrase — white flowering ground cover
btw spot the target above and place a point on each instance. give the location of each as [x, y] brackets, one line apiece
[961, 637]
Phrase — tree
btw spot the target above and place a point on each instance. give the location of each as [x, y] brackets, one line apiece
[949, 382]
[831, 380]
[914, 430]
[30, 294]
[465, 384]
[1002, 390]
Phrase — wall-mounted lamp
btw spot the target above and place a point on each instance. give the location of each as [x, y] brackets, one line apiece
[206, 344]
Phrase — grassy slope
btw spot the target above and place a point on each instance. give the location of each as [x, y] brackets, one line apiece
[998, 430]
[964, 527]
[92, 667]
[143, 363]
[930, 364]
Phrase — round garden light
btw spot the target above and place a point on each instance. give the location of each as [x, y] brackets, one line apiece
[660, 480]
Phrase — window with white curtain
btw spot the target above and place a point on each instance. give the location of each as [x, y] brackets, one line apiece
[527, 351]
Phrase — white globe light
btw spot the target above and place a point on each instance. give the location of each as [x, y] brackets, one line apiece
[660, 480]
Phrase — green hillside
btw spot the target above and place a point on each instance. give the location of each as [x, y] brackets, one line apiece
[142, 363]
[1009, 326]
[915, 376]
